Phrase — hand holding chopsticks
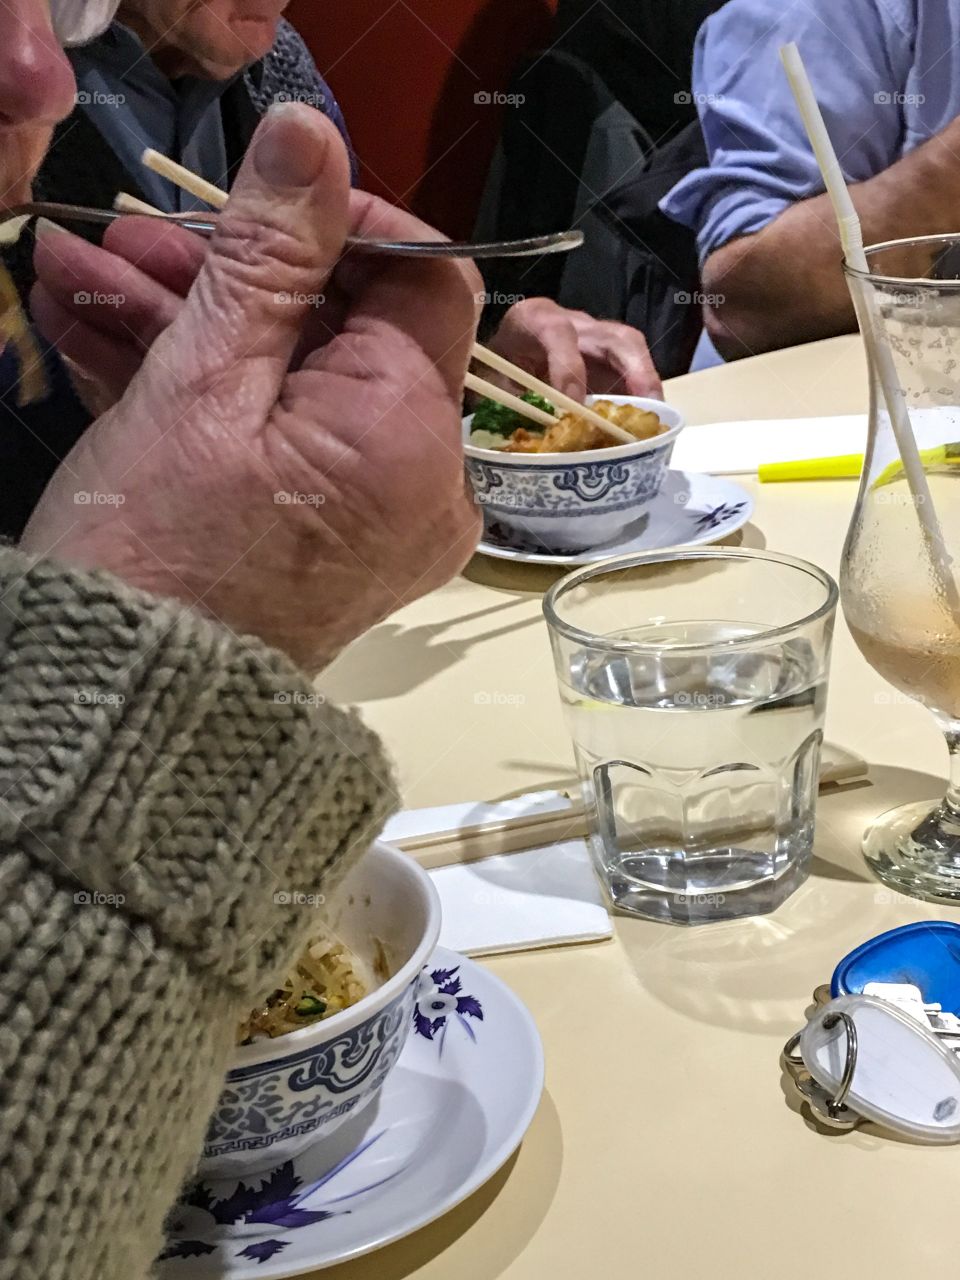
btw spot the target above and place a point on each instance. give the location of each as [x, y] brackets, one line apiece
[203, 190]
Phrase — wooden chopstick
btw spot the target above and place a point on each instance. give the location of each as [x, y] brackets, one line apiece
[493, 361]
[482, 388]
[126, 203]
[203, 190]
[472, 844]
[514, 835]
[184, 178]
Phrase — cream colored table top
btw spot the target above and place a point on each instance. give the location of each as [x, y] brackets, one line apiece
[664, 1145]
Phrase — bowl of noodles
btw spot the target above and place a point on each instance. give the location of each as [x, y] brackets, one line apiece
[316, 1052]
[567, 488]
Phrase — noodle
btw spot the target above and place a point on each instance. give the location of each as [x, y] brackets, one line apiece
[323, 982]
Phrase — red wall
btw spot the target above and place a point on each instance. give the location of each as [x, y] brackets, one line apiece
[406, 74]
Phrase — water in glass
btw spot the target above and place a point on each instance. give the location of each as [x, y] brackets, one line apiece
[704, 768]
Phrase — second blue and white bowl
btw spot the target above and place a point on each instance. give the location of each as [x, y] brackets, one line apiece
[281, 1096]
[570, 502]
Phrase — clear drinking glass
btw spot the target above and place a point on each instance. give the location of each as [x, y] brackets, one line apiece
[905, 613]
[694, 685]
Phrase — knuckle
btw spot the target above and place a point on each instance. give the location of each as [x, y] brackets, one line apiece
[263, 254]
[537, 307]
[626, 334]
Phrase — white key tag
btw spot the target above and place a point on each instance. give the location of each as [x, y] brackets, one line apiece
[872, 1059]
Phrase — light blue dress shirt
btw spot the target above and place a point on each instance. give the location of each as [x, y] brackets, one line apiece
[886, 73]
[135, 106]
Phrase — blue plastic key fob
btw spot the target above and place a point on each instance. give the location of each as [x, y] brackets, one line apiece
[926, 955]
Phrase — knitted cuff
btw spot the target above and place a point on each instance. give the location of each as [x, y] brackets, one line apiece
[188, 777]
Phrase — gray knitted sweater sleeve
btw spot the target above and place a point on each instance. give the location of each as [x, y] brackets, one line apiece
[161, 782]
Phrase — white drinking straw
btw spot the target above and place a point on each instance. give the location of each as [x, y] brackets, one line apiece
[851, 239]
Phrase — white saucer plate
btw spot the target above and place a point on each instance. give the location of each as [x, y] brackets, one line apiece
[689, 510]
[452, 1111]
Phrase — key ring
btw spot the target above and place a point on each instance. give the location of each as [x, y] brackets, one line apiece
[881, 1045]
[837, 1113]
[829, 1022]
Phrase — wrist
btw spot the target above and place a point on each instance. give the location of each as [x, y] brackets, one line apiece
[111, 548]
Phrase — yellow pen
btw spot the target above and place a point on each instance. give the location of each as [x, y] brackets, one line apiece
[844, 467]
[847, 466]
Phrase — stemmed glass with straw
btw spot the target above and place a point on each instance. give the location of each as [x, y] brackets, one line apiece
[851, 240]
[898, 587]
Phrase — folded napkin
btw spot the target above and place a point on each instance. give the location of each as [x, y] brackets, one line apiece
[516, 901]
[738, 448]
[543, 896]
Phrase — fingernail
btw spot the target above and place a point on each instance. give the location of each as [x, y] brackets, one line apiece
[46, 227]
[289, 150]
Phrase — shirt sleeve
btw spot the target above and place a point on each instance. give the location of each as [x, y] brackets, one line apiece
[760, 160]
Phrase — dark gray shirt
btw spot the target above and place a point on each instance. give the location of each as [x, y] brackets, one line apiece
[135, 106]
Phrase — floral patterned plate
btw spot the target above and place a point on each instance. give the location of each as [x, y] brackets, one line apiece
[454, 1108]
[689, 509]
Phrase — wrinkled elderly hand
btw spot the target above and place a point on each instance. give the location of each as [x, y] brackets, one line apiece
[576, 353]
[291, 467]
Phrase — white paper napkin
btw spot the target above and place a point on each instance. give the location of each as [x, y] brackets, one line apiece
[517, 901]
[541, 897]
[739, 448]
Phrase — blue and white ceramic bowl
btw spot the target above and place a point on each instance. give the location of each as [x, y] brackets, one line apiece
[570, 502]
[282, 1095]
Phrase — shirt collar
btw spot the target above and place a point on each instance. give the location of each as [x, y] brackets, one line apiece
[121, 52]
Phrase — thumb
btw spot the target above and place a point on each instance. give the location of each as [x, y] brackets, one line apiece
[277, 241]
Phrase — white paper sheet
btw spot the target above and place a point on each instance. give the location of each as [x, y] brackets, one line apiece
[513, 902]
[541, 897]
[738, 448]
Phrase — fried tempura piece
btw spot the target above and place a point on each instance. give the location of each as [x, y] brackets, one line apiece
[523, 441]
[570, 434]
[641, 423]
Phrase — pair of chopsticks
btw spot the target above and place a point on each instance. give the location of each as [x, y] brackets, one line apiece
[483, 355]
[838, 767]
[488, 839]
[206, 191]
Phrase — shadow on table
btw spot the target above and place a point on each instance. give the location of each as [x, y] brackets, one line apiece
[757, 975]
[845, 811]
[749, 536]
[534, 579]
[393, 659]
[512, 577]
[520, 1193]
